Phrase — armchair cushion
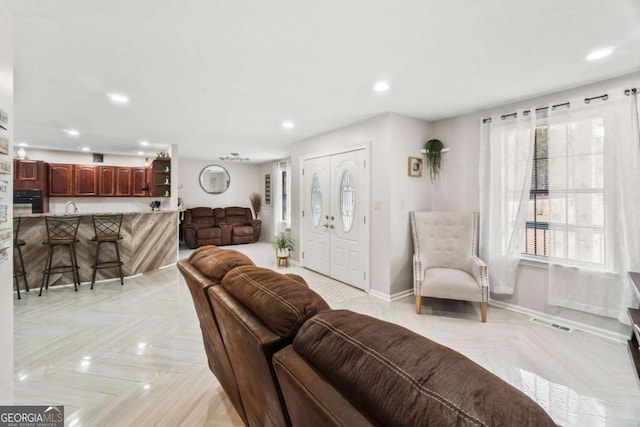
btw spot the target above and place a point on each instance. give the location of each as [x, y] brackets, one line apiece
[452, 284]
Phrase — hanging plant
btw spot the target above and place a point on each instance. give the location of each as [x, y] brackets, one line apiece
[433, 155]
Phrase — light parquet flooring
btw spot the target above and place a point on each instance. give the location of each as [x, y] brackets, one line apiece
[133, 354]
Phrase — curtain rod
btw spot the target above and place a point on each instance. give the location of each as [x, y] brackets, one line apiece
[628, 92]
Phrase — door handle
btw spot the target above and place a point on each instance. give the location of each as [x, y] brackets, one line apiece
[331, 226]
[325, 225]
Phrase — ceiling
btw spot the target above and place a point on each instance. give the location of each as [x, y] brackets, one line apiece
[217, 77]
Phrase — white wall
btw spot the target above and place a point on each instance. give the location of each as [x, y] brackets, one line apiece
[79, 157]
[459, 185]
[392, 139]
[244, 179]
[6, 268]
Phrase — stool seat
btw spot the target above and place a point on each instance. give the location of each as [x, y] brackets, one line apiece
[105, 238]
[107, 230]
[61, 232]
[18, 262]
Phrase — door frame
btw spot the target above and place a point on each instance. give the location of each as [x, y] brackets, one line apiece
[366, 146]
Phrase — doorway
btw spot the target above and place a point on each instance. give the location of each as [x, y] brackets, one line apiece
[335, 232]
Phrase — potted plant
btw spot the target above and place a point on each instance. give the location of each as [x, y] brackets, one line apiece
[283, 244]
[433, 155]
[256, 203]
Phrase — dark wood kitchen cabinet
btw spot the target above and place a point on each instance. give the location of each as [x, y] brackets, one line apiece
[140, 181]
[86, 183]
[106, 181]
[30, 175]
[60, 180]
[123, 181]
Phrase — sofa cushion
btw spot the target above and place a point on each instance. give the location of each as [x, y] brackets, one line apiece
[205, 233]
[215, 262]
[282, 303]
[370, 360]
[237, 215]
[201, 212]
[243, 230]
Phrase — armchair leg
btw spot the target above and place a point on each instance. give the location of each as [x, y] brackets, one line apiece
[483, 311]
[418, 304]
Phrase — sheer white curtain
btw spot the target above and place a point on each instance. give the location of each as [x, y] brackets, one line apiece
[594, 205]
[506, 155]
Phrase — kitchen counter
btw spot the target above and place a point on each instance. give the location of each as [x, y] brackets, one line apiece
[42, 215]
[150, 241]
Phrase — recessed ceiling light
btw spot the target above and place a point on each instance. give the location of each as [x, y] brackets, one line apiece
[72, 132]
[141, 153]
[86, 149]
[288, 125]
[118, 98]
[144, 143]
[599, 54]
[381, 87]
[23, 144]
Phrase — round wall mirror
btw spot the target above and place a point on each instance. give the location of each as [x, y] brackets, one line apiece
[214, 179]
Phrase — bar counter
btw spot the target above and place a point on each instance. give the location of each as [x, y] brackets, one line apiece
[149, 241]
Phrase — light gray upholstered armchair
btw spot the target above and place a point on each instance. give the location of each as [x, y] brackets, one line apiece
[445, 258]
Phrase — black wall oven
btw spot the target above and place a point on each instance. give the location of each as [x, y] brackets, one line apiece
[27, 201]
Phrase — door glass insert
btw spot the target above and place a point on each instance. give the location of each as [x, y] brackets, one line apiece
[316, 200]
[347, 200]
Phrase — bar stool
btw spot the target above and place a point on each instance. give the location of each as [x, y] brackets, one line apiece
[107, 230]
[18, 270]
[61, 232]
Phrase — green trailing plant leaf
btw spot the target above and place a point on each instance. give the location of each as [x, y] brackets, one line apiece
[433, 156]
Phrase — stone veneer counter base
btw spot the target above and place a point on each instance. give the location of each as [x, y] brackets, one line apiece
[149, 241]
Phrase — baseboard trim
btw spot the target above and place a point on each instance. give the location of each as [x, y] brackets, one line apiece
[390, 298]
[603, 333]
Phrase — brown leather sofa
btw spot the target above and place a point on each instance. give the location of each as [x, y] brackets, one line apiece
[294, 361]
[220, 226]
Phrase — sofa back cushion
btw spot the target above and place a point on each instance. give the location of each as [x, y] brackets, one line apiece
[215, 263]
[237, 215]
[281, 302]
[401, 378]
[219, 216]
[203, 217]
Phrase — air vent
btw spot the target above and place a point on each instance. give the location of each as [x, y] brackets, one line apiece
[551, 325]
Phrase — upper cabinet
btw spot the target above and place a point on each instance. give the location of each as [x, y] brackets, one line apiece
[60, 180]
[86, 183]
[106, 180]
[123, 182]
[140, 182]
[30, 175]
[70, 180]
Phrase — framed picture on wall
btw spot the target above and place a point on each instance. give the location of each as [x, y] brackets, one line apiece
[4, 141]
[267, 189]
[415, 166]
[5, 167]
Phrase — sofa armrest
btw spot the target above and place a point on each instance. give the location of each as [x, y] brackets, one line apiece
[191, 226]
[478, 269]
[226, 230]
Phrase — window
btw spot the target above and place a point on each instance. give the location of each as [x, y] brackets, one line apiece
[536, 236]
[565, 216]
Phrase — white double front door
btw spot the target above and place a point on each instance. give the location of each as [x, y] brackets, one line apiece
[335, 230]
